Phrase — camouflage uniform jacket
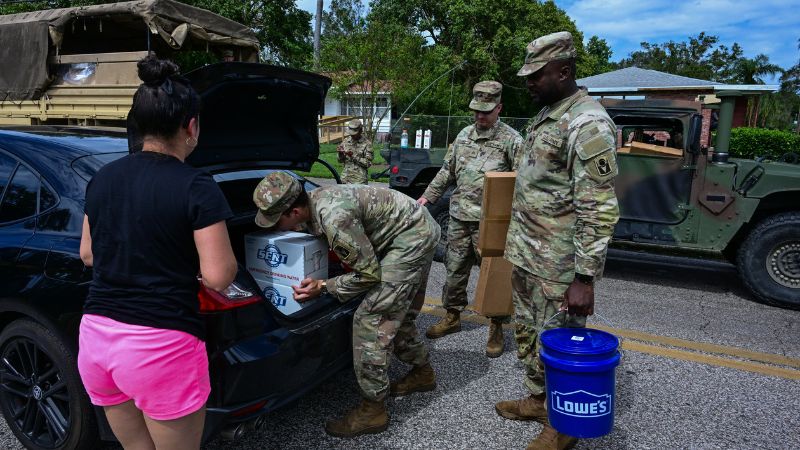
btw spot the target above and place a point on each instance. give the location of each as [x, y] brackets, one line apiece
[356, 165]
[474, 152]
[564, 206]
[362, 224]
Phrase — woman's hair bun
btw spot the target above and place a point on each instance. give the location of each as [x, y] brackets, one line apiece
[155, 71]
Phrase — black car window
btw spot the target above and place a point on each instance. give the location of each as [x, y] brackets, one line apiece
[21, 197]
[47, 198]
[7, 165]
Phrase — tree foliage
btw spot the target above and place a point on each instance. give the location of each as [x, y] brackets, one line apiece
[368, 56]
[598, 56]
[488, 36]
[696, 58]
[343, 17]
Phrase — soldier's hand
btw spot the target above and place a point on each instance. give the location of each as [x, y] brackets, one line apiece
[422, 201]
[308, 289]
[579, 299]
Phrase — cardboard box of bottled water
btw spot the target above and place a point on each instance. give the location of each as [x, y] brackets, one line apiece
[285, 257]
[281, 296]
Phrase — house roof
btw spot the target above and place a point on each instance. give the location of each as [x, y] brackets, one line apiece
[630, 77]
[634, 79]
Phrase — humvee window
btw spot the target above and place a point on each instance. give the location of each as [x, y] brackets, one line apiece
[663, 138]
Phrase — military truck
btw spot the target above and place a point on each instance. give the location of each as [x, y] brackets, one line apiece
[77, 66]
[678, 198]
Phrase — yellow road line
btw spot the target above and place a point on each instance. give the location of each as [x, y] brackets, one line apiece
[753, 363]
[712, 360]
[704, 347]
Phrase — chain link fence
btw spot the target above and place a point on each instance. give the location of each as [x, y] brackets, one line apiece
[443, 129]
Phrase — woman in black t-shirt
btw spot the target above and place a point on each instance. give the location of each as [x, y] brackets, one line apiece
[153, 223]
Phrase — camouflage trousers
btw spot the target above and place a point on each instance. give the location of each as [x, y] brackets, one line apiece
[462, 254]
[535, 301]
[385, 323]
[354, 174]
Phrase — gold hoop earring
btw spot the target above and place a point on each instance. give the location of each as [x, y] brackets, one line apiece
[190, 143]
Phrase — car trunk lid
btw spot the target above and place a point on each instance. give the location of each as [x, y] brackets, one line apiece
[257, 116]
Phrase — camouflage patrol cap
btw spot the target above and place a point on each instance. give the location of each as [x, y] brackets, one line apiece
[485, 95]
[273, 196]
[547, 48]
[353, 127]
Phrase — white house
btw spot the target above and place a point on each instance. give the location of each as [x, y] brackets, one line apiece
[358, 102]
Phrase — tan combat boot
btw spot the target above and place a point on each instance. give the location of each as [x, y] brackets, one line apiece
[369, 417]
[550, 439]
[494, 347]
[528, 408]
[451, 323]
[419, 379]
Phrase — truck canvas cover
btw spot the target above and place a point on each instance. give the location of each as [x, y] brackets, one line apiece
[29, 39]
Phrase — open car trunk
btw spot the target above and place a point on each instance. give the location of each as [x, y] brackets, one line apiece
[290, 353]
[257, 118]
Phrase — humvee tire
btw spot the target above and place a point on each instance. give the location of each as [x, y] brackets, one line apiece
[769, 260]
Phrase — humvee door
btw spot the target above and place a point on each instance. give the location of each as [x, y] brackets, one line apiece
[656, 156]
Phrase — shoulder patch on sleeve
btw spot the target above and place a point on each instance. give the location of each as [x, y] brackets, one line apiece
[602, 167]
[344, 252]
[594, 146]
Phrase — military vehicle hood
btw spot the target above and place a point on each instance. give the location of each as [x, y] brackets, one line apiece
[759, 179]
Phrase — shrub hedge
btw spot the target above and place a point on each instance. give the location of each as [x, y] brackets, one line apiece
[756, 142]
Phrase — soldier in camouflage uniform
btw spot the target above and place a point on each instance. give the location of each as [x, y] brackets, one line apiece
[355, 152]
[563, 215]
[485, 146]
[389, 242]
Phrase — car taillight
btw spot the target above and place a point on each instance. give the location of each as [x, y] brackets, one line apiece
[234, 296]
[395, 170]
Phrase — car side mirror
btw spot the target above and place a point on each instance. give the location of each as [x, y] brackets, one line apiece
[695, 132]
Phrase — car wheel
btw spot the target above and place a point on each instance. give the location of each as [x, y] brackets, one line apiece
[443, 219]
[41, 394]
[769, 260]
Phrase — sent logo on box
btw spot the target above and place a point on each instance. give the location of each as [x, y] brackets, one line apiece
[272, 295]
[272, 255]
[581, 403]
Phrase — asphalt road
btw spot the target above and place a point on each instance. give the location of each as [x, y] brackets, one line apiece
[704, 367]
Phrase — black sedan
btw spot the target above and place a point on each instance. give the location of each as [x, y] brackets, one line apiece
[259, 359]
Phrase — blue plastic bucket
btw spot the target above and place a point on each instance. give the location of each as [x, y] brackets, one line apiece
[579, 366]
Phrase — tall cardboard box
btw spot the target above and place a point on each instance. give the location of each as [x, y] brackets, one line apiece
[286, 257]
[498, 193]
[493, 295]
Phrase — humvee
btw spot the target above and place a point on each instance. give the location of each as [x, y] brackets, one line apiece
[678, 198]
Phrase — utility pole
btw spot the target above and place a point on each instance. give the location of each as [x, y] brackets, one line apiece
[317, 30]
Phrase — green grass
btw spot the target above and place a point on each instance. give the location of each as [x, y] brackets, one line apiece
[327, 153]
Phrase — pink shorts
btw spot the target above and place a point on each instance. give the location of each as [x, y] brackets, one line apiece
[164, 372]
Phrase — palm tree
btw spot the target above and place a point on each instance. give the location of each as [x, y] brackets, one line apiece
[751, 71]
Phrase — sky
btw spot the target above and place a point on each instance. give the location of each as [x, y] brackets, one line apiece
[771, 27]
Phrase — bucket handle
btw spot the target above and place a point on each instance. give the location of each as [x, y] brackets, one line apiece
[602, 319]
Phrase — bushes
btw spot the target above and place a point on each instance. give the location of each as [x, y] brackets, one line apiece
[755, 142]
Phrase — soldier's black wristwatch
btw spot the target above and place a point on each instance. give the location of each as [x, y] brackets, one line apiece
[323, 288]
[585, 279]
